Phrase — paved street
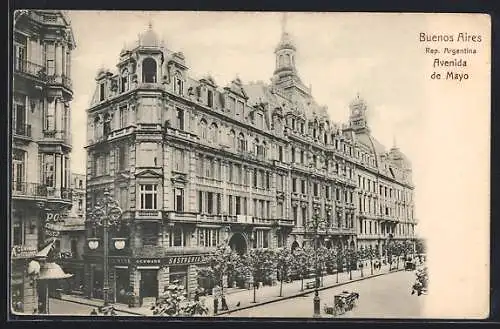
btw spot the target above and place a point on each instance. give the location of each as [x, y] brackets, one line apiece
[384, 296]
[63, 307]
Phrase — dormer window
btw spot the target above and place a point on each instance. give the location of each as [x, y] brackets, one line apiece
[239, 108]
[231, 104]
[260, 120]
[210, 98]
[302, 127]
[293, 123]
[124, 81]
[102, 94]
[178, 84]
[149, 71]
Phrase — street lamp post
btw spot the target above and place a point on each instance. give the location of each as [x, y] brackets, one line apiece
[106, 214]
[388, 250]
[316, 224]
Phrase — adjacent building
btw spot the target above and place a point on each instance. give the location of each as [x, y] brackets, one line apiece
[70, 243]
[385, 207]
[194, 164]
[41, 140]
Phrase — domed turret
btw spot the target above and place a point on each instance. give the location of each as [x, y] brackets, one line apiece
[149, 38]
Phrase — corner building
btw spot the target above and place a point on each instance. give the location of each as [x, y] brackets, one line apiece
[41, 141]
[194, 165]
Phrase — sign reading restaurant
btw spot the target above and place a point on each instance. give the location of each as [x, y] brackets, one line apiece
[174, 260]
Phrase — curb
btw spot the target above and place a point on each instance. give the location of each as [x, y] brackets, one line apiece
[93, 305]
[302, 293]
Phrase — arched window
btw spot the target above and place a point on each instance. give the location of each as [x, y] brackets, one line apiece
[178, 83]
[256, 146]
[288, 60]
[124, 81]
[203, 128]
[149, 70]
[232, 139]
[213, 133]
[281, 60]
[241, 142]
[264, 149]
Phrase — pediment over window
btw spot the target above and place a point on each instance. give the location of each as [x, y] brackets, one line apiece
[179, 179]
[122, 176]
[236, 87]
[149, 173]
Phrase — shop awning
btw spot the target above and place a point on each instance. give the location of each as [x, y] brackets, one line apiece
[52, 271]
[45, 251]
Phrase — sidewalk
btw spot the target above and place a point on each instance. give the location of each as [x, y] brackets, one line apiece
[244, 297]
[270, 294]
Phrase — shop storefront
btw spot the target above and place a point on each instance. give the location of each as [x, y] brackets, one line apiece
[141, 281]
[24, 298]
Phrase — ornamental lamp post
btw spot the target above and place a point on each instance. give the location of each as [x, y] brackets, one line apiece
[388, 250]
[106, 214]
[316, 224]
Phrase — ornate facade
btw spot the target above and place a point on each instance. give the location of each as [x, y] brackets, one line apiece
[194, 164]
[41, 140]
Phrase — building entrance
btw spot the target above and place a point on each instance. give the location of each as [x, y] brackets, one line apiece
[238, 243]
[149, 284]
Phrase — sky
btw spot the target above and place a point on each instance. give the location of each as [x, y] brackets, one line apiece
[443, 127]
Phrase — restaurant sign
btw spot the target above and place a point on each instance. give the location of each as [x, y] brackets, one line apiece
[181, 260]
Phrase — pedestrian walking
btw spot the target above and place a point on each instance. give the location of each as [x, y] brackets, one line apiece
[216, 305]
[224, 304]
[94, 312]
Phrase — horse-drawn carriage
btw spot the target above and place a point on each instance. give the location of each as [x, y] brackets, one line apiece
[342, 303]
[420, 285]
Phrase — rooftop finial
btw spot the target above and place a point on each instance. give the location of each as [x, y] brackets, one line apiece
[283, 23]
[394, 144]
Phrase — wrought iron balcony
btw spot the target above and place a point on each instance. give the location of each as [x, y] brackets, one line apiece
[60, 135]
[60, 80]
[24, 189]
[65, 194]
[21, 129]
[22, 65]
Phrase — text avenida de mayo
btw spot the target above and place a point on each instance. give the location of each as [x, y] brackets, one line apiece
[452, 58]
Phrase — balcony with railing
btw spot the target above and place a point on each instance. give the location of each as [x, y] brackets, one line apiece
[28, 190]
[24, 66]
[65, 194]
[63, 136]
[62, 80]
[21, 130]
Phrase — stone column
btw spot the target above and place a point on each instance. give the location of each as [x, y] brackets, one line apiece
[135, 283]
[192, 280]
[163, 279]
